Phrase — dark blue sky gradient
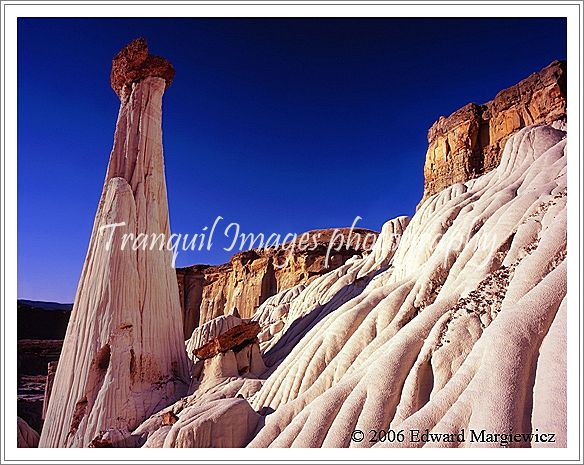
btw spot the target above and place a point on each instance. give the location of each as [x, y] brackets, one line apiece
[281, 125]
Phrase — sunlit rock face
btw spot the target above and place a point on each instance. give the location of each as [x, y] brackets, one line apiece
[123, 356]
[217, 411]
[470, 141]
[456, 321]
[252, 276]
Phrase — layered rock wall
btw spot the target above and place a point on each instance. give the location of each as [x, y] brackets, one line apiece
[470, 141]
[252, 276]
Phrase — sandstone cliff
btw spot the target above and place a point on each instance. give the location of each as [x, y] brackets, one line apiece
[123, 356]
[252, 276]
[470, 141]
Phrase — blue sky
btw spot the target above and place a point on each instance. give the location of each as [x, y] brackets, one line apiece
[280, 125]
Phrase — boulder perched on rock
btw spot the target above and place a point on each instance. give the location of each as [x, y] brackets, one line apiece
[133, 63]
[209, 331]
[232, 339]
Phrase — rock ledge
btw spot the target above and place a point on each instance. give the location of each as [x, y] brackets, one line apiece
[470, 141]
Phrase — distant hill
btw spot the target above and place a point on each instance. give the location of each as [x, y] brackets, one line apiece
[45, 305]
[42, 320]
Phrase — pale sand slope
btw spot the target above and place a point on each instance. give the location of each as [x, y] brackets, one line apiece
[212, 414]
[123, 356]
[461, 330]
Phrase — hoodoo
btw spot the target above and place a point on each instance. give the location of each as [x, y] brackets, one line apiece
[123, 356]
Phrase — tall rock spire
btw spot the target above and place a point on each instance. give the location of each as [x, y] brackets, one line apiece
[123, 356]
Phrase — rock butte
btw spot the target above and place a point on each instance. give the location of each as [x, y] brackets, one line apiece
[470, 141]
[123, 357]
[455, 320]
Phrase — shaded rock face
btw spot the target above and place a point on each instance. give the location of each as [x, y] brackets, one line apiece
[123, 356]
[40, 323]
[253, 276]
[51, 370]
[41, 329]
[26, 436]
[33, 358]
[470, 141]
